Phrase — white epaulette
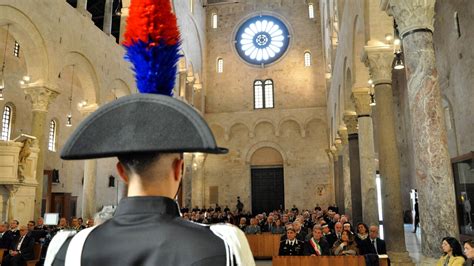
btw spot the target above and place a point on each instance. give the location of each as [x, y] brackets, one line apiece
[236, 245]
[74, 250]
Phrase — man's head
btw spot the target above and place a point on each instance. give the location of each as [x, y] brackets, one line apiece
[23, 230]
[317, 232]
[14, 224]
[325, 228]
[284, 218]
[290, 233]
[31, 225]
[40, 221]
[90, 223]
[243, 220]
[62, 222]
[151, 174]
[297, 226]
[373, 232]
[3, 228]
[74, 222]
[338, 227]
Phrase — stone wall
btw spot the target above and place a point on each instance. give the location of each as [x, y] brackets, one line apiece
[296, 127]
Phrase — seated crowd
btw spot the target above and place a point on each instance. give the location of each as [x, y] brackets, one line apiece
[319, 232]
[18, 241]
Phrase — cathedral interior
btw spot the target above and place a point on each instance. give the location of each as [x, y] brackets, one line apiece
[365, 105]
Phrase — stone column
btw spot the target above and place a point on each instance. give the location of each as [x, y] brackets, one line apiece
[350, 119]
[82, 8]
[361, 99]
[379, 60]
[432, 162]
[198, 191]
[346, 172]
[89, 207]
[40, 97]
[108, 10]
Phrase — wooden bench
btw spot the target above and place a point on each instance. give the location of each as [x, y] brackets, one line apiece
[2, 253]
[322, 261]
[37, 250]
[264, 246]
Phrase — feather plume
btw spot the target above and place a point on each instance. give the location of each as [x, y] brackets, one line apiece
[152, 41]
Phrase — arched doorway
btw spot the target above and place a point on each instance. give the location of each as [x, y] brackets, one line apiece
[267, 180]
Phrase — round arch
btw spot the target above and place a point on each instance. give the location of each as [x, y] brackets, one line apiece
[86, 73]
[290, 118]
[267, 144]
[33, 46]
[118, 87]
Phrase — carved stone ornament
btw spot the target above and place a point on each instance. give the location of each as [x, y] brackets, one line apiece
[350, 119]
[343, 135]
[379, 61]
[40, 97]
[361, 99]
[412, 14]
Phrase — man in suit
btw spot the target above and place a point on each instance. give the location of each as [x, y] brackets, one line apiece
[5, 239]
[328, 235]
[291, 246]
[21, 249]
[317, 245]
[373, 244]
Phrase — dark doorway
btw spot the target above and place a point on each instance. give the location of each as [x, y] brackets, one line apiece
[268, 191]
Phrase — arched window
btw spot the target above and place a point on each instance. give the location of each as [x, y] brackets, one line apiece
[268, 93]
[214, 20]
[52, 136]
[16, 49]
[311, 10]
[307, 59]
[220, 65]
[7, 122]
[258, 94]
[263, 94]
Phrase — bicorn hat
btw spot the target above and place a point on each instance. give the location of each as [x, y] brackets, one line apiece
[152, 121]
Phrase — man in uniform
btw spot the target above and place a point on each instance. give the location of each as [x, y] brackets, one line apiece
[148, 133]
[291, 246]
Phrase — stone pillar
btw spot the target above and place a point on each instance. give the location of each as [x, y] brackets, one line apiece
[123, 18]
[82, 8]
[89, 207]
[108, 10]
[189, 93]
[350, 119]
[432, 162]
[186, 183]
[343, 149]
[379, 60]
[40, 97]
[361, 99]
[198, 191]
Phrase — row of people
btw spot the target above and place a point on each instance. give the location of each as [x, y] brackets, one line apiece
[317, 244]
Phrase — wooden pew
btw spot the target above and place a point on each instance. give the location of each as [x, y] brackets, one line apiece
[264, 245]
[322, 261]
[37, 250]
[2, 253]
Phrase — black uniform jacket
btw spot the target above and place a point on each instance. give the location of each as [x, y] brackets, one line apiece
[149, 231]
[297, 249]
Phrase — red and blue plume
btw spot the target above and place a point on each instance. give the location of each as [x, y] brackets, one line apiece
[152, 42]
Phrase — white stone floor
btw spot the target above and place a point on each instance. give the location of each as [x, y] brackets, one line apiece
[413, 243]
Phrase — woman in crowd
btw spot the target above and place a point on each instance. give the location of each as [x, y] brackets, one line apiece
[452, 253]
[346, 245]
[469, 252]
[278, 228]
[362, 233]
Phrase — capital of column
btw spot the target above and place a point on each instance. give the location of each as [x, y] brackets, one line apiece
[342, 131]
[379, 59]
[40, 97]
[350, 119]
[88, 109]
[338, 145]
[197, 86]
[361, 99]
[411, 14]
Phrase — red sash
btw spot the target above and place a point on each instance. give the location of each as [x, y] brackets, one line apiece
[316, 246]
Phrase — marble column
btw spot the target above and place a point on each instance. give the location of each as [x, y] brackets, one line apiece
[89, 207]
[40, 97]
[343, 149]
[108, 10]
[432, 161]
[379, 60]
[198, 191]
[361, 99]
[350, 119]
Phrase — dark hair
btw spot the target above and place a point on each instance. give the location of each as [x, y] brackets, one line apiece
[138, 162]
[454, 244]
[364, 225]
[33, 222]
[470, 242]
